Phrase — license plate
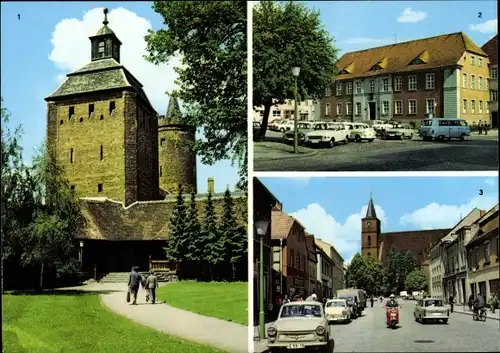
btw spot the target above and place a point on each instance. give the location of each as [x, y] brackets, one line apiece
[436, 314]
[296, 346]
[314, 141]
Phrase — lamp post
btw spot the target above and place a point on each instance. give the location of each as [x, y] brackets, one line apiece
[81, 254]
[281, 268]
[295, 73]
[261, 230]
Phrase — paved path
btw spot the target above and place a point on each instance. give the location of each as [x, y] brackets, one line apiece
[227, 336]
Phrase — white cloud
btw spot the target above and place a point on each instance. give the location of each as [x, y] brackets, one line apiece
[302, 181]
[490, 181]
[410, 16]
[71, 50]
[435, 216]
[346, 236]
[489, 26]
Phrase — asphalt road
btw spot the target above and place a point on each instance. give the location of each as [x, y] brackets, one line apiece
[370, 334]
[474, 154]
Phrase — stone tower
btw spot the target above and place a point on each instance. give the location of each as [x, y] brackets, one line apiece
[177, 161]
[370, 232]
[103, 129]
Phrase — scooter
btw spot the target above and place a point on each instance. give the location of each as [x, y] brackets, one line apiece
[392, 317]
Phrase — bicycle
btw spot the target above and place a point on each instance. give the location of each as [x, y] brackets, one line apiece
[479, 315]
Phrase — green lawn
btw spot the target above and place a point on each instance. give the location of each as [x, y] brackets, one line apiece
[79, 323]
[226, 301]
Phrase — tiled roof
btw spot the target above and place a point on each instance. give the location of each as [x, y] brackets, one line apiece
[417, 242]
[281, 224]
[143, 220]
[440, 51]
[491, 48]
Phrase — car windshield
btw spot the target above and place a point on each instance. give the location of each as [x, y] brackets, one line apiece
[303, 126]
[320, 127]
[300, 310]
[360, 127]
[433, 303]
[335, 304]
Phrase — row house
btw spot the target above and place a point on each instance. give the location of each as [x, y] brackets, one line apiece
[491, 49]
[263, 204]
[483, 257]
[312, 272]
[324, 272]
[436, 271]
[290, 255]
[338, 274]
[309, 110]
[411, 81]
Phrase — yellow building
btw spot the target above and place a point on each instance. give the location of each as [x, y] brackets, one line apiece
[474, 87]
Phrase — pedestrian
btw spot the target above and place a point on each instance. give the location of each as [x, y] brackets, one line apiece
[371, 301]
[480, 127]
[134, 281]
[312, 297]
[470, 301]
[493, 303]
[451, 302]
[486, 127]
[151, 285]
[286, 300]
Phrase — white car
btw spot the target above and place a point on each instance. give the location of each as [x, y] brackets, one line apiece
[300, 325]
[381, 125]
[337, 310]
[284, 125]
[329, 134]
[399, 131]
[431, 309]
[361, 132]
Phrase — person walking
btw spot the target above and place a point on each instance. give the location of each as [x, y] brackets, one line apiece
[470, 302]
[134, 281]
[451, 301]
[493, 303]
[371, 301]
[151, 285]
[480, 127]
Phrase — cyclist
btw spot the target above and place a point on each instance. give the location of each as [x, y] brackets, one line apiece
[478, 303]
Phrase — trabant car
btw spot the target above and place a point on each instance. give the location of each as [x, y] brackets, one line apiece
[299, 325]
[284, 125]
[381, 125]
[303, 128]
[338, 310]
[328, 134]
[361, 132]
[399, 131]
[431, 309]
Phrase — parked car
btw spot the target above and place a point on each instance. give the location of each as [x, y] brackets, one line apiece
[399, 131]
[299, 325]
[381, 125]
[327, 134]
[444, 128]
[284, 125]
[303, 129]
[273, 125]
[361, 132]
[338, 310]
[431, 309]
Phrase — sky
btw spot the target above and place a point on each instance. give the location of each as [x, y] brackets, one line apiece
[332, 208]
[42, 41]
[357, 25]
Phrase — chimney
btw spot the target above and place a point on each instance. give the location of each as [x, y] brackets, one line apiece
[210, 186]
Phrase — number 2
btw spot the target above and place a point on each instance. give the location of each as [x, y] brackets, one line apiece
[479, 15]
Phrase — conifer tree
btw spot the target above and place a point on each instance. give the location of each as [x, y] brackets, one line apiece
[193, 230]
[211, 250]
[230, 239]
[175, 251]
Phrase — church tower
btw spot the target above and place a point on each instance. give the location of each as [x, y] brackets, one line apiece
[370, 232]
[177, 161]
[102, 128]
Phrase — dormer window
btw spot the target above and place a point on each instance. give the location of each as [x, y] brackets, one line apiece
[416, 61]
[376, 67]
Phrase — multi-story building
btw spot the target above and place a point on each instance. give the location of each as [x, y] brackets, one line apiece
[436, 271]
[308, 110]
[312, 263]
[337, 262]
[289, 239]
[491, 48]
[482, 256]
[452, 250]
[411, 81]
[324, 272]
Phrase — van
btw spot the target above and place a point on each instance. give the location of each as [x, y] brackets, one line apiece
[444, 129]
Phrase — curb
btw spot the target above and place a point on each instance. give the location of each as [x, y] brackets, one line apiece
[307, 154]
[470, 314]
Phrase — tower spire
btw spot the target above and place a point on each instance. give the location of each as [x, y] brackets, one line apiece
[105, 22]
[370, 212]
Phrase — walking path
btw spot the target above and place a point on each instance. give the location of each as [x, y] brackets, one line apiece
[465, 310]
[224, 335]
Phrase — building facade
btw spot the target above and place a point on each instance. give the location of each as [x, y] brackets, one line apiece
[436, 271]
[324, 272]
[482, 256]
[312, 262]
[309, 110]
[410, 81]
[491, 48]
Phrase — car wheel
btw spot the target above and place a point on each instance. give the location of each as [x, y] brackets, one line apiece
[410, 137]
[402, 136]
[445, 321]
[370, 140]
[358, 138]
[346, 140]
[282, 130]
[462, 137]
[331, 143]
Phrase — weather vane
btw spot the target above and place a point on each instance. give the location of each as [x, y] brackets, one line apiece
[105, 22]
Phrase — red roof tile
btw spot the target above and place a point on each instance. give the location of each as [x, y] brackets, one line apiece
[491, 48]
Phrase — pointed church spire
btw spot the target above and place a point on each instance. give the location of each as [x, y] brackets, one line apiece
[370, 212]
[174, 115]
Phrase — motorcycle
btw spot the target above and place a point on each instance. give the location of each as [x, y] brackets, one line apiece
[392, 317]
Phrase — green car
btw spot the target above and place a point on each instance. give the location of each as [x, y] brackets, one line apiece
[303, 128]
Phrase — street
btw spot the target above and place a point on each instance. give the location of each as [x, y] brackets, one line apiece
[475, 153]
[370, 334]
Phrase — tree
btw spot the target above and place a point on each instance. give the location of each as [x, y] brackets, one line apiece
[287, 35]
[211, 38]
[193, 229]
[416, 281]
[365, 272]
[175, 251]
[212, 246]
[400, 265]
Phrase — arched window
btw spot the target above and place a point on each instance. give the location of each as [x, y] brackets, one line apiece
[163, 141]
[369, 241]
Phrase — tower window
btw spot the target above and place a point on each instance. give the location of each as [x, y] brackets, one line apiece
[100, 48]
[73, 187]
[163, 141]
[101, 153]
[71, 156]
[91, 110]
[99, 187]
[111, 107]
[369, 241]
[71, 112]
[161, 171]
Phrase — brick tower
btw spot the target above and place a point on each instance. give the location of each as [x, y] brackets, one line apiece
[177, 161]
[103, 129]
[370, 231]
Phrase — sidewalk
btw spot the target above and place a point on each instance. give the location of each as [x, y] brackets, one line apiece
[491, 133]
[278, 151]
[224, 335]
[465, 310]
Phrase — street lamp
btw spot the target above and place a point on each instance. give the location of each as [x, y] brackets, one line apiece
[81, 254]
[295, 73]
[261, 230]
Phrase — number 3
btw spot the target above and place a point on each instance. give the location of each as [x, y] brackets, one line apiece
[480, 192]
